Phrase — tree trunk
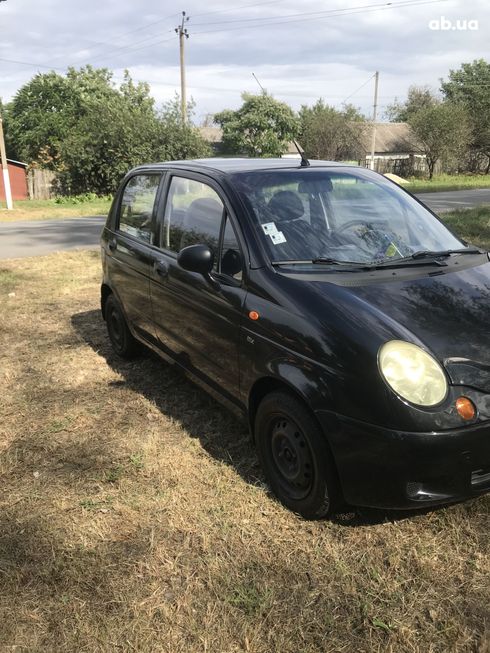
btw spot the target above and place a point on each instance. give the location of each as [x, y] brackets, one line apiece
[487, 171]
[431, 164]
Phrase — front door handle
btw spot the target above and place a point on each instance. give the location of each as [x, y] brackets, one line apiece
[112, 244]
[161, 268]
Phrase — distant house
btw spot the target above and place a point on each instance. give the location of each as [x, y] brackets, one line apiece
[18, 181]
[395, 149]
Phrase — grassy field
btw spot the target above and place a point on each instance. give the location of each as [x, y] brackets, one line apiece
[471, 224]
[133, 515]
[49, 209]
[448, 182]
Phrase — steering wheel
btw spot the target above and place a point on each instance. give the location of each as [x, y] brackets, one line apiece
[358, 223]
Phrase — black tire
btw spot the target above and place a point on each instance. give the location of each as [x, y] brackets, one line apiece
[295, 456]
[122, 340]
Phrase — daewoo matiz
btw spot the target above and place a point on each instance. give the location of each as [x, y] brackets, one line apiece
[326, 304]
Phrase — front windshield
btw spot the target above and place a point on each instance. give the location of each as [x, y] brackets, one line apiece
[348, 215]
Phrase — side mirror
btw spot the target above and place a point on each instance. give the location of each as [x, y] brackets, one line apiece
[200, 259]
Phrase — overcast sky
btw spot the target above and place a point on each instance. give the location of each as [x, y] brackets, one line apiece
[299, 50]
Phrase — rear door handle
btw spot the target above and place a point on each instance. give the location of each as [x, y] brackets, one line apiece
[161, 268]
[112, 244]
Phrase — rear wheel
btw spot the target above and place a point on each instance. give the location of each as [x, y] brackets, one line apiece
[122, 340]
[295, 456]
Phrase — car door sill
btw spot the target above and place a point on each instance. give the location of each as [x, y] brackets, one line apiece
[233, 405]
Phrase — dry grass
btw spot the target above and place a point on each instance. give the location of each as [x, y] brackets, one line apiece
[133, 516]
[51, 210]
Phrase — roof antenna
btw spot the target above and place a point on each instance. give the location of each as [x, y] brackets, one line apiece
[256, 79]
[304, 161]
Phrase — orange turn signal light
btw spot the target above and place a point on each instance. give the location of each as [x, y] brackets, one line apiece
[466, 408]
[253, 315]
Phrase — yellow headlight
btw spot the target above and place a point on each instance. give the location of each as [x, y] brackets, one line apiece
[412, 373]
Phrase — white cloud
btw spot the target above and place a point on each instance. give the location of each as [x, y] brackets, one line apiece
[327, 55]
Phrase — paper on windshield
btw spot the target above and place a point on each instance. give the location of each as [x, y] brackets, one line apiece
[276, 236]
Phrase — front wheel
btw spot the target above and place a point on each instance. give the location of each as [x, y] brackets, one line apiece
[295, 456]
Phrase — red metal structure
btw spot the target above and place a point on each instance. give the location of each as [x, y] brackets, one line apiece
[18, 181]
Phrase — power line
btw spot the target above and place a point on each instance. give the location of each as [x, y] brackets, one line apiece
[284, 20]
[131, 48]
[223, 11]
[155, 22]
[358, 89]
[30, 63]
[305, 16]
[386, 4]
[138, 29]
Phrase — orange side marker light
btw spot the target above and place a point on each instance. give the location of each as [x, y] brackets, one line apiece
[253, 315]
[465, 408]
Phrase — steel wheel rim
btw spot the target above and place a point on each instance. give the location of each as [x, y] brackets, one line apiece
[292, 458]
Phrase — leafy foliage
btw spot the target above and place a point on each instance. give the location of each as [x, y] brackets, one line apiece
[90, 132]
[470, 86]
[262, 126]
[39, 118]
[442, 132]
[327, 133]
[418, 98]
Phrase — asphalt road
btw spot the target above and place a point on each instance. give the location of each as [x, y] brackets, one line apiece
[21, 239]
[455, 199]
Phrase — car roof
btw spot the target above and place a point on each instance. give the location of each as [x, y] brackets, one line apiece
[229, 165]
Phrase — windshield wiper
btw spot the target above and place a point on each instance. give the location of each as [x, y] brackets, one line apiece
[317, 261]
[427, 253]
[423, 257]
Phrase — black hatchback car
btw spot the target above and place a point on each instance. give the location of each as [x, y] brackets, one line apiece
[327, 305]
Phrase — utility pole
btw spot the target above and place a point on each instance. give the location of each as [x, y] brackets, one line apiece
[375, 112]
[183, 34]
[5, 169]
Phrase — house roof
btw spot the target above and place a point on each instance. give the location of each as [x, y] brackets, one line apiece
[391, 138]
[211, 134]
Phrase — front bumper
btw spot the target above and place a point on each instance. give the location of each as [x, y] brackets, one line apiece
[384, 468]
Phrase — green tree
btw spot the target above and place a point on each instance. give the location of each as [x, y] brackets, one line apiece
[418, 98]
[262, 126]
[442, 132]
[174, 139]
[39, 118]
[470, 86]
[329, 133]
[91, 132]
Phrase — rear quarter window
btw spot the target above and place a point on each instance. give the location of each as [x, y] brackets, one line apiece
[137, 204]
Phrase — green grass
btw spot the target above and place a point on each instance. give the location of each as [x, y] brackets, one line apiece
[50, 209]
[471, 224]
[448, 182]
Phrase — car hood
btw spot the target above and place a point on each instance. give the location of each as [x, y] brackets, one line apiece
[449, 314]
